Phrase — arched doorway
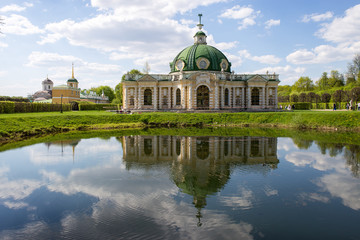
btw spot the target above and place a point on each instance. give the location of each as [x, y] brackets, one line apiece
[255, 96]
[202, 97]
[147, 97]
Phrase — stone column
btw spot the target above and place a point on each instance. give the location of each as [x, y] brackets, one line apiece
[230, 97]
[183, 97]
[190, 97]
[155, 96]
[136, 98]
[140, 99]
[243, 97]
[161, 95]
[249, 97]
[263, 98]
[169, 103]
[276, 97]
[234, 97]
[126, 98]
[222, 97]
[216, 96]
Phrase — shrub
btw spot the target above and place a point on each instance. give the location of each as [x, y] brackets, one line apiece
[99, 107]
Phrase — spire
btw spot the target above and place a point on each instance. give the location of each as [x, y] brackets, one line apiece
[200, 25]
[72, 76]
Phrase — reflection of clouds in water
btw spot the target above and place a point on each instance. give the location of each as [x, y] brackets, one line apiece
[270, 192]
[316, 161]
[339, 184]
[15, 205]
[144, 208]
[313, 197]
[86, 147]
[343, 186]
[243, 199]
[285, 144]
[18, 189]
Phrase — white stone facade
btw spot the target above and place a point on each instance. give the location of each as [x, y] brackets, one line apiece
[200, 90]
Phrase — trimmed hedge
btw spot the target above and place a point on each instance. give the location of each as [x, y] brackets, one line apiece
[26, 107]
[98, 107]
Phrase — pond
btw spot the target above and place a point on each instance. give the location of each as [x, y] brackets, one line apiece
[180, 187]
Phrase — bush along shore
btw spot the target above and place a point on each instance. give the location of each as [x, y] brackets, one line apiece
[19, 126]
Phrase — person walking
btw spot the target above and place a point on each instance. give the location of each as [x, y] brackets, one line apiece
[334, 109]
[358, 106]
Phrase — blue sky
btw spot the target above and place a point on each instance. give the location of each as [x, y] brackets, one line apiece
[106, 38]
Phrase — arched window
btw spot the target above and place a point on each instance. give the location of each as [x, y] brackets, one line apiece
[178, 97]
[147, 97]
[255, 96]
[226, 97]
[147, 146]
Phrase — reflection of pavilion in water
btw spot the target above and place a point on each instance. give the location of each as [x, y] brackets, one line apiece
[247, 150]
[201, 166]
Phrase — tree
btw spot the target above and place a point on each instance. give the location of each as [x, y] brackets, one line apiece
[108, 91]
[354, 67]
[118, 92]
[132, 73]
[310, 97]
[355, 94]
[302, 97]
[336, 79]
[339, 96]
[350, 79]
[325, 97]
[284, 90]
[304, 84]
[323, 82]
[294, 98]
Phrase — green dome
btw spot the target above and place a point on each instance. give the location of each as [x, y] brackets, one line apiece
[200, 57]
[72, 80]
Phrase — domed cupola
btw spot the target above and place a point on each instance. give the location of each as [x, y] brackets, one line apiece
[200, 56]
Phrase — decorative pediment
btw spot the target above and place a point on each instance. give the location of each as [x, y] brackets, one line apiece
[147, 78]
[257, 79]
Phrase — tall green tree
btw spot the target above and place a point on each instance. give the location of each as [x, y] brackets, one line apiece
[118, 92]
[354, 67]
[108, 91]
[304, 84]
[336, 79]
[132, 73]
[323, 82]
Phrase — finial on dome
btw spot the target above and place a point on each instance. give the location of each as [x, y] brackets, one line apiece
[200, 25]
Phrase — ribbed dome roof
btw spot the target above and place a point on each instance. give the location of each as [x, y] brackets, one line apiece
[195, 53]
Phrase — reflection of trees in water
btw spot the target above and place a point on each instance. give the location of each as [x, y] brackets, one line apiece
[351, 152]
[352, 156]
[301, 143]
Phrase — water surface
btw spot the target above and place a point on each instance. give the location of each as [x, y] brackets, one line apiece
[180, 187]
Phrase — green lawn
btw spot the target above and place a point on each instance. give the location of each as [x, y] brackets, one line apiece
[32, 124]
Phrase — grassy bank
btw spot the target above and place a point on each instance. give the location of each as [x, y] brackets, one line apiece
[19, 126]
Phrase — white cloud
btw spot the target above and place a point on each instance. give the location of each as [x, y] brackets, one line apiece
[246, 15]
[19, 25]
[266, 59]
[288, 74]
[272, 22]
[324, 54]
[318, 17]
[152, 8]
[243, 199]
[12, 8]
[343, 31]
